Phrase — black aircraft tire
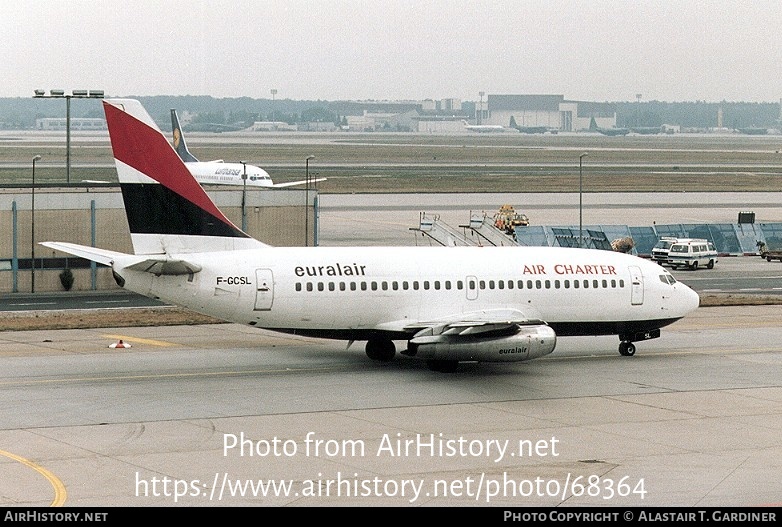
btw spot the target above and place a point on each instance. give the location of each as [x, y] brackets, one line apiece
[380, 350]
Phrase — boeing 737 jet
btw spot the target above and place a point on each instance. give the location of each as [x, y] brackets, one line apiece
[448, 304]
[218, 172]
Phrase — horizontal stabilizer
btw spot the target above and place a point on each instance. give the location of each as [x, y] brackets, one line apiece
[101, 256]
[157, 266]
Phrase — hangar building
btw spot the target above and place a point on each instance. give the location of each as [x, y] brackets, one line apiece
[549, 111]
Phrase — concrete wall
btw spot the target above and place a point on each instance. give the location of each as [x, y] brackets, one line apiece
[96, 217]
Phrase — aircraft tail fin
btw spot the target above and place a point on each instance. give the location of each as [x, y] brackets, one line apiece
[179, 140]
[168, 211]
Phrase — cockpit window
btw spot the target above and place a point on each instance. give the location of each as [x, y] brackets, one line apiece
[667, 279]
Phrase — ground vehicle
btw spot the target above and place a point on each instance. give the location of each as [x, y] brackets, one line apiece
[661, 248]
[769, 254]
[507, 219]
[692, 253]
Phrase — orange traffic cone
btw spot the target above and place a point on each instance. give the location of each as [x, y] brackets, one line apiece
[119, 344]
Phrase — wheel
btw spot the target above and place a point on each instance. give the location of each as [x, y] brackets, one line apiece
[768, 259]
[381, 350]
[626, 349]
[710, 265]
[694, 265]
[443, 366]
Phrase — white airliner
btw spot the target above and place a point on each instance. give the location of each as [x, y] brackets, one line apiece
[450, 304]
[218, 172]
[487, 128]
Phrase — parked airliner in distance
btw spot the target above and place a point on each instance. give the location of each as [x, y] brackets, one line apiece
[218, 172]
[486, 128]
[449, 304]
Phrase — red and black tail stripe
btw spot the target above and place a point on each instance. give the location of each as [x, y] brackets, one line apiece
[178, 205]
[155, 209]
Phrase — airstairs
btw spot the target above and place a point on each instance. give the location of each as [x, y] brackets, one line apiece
[441, 233]
[741, 239]
[483, 227]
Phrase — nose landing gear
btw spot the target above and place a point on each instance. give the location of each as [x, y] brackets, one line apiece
[626, 349]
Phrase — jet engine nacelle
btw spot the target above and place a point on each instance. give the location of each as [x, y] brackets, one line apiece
[528, 343]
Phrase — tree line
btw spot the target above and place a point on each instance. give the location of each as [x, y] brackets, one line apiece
[240, 112]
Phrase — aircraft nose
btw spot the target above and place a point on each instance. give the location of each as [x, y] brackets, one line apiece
[690, 299]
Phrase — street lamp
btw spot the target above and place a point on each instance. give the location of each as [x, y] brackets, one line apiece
[274, 92]
[60, 94]
[580, 199]
[32, 228]
[638, 110]
[480, 106]
[307, 200]
[244, 195]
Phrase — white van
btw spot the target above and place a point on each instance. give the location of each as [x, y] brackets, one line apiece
[661, 248]
[692, 253]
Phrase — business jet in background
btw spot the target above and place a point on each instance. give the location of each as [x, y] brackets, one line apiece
[218, 172]
[449, 304]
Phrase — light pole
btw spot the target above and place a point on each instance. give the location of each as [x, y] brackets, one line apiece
[32, 229]
[480, 107]
[244, 195]
[580, 199]
[274, 92]
[60, 94]
[638, 110]
[307, 200]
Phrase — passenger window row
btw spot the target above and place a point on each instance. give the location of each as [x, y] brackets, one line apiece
[472, 285]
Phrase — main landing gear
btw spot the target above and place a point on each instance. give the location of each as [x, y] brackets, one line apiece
[381, 350]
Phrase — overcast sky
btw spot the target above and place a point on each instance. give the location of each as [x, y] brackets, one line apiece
[600, 50]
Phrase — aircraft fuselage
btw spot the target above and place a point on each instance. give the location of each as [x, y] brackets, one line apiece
[350, 293]
[221, 173]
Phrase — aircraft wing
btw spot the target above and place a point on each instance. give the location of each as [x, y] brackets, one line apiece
[493, 334]
[477, 324]
[292, 183]
[155, 265]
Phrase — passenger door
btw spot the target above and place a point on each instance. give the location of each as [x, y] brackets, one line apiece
[264, 289]
[636, 285]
